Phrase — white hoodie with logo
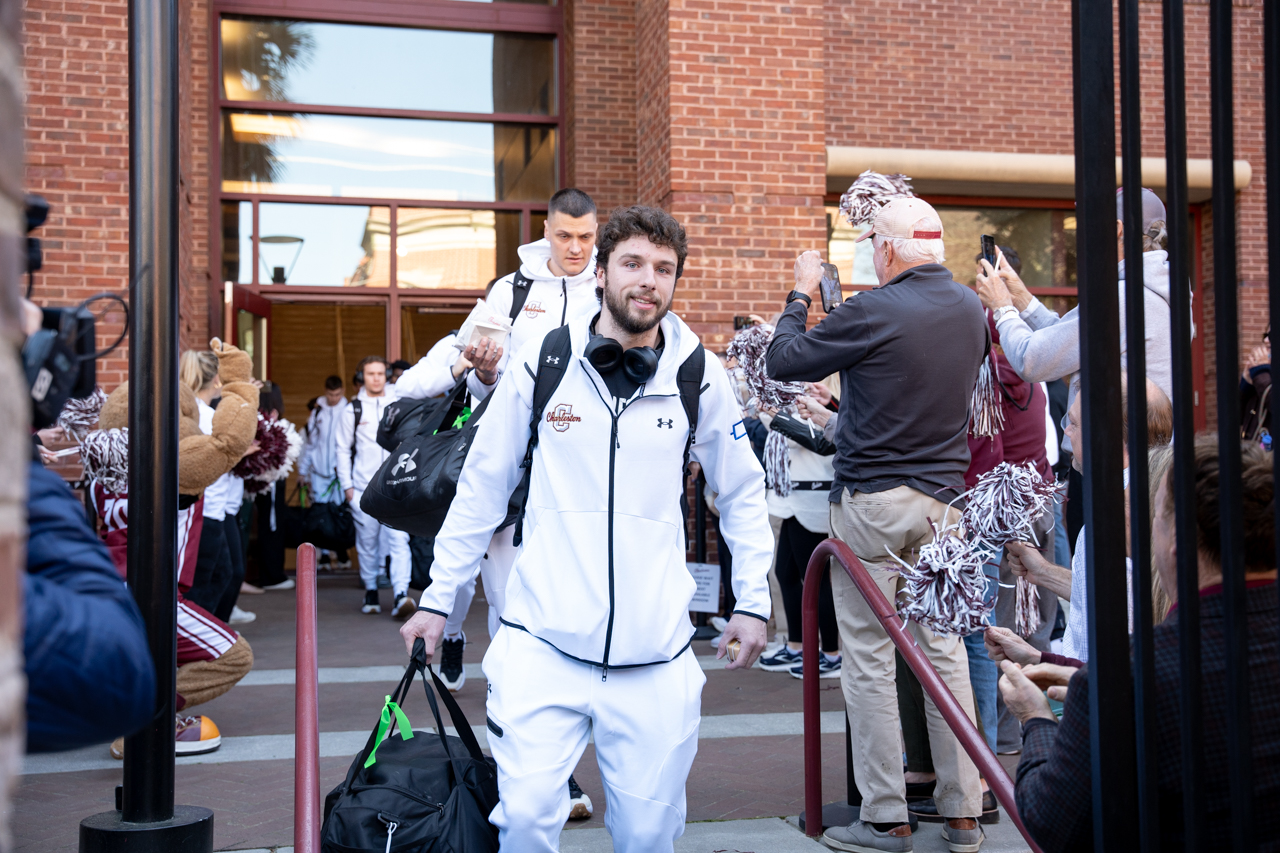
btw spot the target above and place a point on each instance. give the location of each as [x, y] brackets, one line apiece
[601, 575]
[369, 454]
[553, 301]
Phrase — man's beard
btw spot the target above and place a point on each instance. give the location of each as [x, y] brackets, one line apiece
[620, 310]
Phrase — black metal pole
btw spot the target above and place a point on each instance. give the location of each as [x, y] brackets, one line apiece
[1111, 688]
[153, 392]
[1271, 71]
[1179, 226]
[1227, 352]
[1139, 496]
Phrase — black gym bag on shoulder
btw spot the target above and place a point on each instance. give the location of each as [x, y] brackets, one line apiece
[425, 792]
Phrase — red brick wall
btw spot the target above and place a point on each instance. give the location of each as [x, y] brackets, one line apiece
[747, 164]
[76, 125]
[600, 114]
[653, 103]
[193, 202]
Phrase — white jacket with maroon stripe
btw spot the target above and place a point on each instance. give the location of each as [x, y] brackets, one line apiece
[601, 575]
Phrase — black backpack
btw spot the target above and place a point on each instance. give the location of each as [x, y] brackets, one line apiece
[414, 488]
[426, 792]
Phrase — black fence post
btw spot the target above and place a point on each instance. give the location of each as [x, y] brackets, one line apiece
[1110, 683]
[1139, 495]
[1179, 227]
[1227, 352]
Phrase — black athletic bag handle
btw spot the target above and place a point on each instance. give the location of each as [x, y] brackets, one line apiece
[418, 662]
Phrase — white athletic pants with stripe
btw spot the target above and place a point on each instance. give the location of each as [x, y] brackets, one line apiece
[495, 571]
[545, 707]
[374, 542]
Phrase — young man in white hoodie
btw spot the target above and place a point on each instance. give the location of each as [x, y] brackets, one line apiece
[359, 458]
[595, 635]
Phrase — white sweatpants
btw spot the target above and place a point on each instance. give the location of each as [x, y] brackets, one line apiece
[542, 708]
[374, 542]
[461, 604]
[495, 570]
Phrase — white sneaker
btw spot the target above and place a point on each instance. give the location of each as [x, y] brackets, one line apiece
[371, 604]
[287, 583]
[715, 642]
[241, 617]
[719, 623]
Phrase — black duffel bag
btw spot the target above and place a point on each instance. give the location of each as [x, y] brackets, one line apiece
[329, 526]
[426, 792]
[403, 418]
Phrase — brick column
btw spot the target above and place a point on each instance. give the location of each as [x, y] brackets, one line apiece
[731, 140]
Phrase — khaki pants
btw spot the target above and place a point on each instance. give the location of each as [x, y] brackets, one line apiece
[872, 524]
[203, 680]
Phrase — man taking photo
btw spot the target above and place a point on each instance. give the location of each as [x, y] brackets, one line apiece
[595, 635]
[908, 354]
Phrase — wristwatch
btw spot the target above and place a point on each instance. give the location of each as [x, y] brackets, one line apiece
[1004, 311]
[795, 294]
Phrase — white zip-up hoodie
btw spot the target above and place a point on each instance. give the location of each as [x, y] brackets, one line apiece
[369, 454]
[320, 456]
[601, 575]
[553, 301]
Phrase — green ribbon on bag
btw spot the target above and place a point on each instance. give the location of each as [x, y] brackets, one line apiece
[384, 726]
[460, 420]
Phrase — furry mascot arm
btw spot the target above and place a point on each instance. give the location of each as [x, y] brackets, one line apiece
[204, 458]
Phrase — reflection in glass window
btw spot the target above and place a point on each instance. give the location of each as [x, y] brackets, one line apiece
[324, 244]
[853, 260]
[358, 157]
[237, 242]
[1040, 237]
[312, 63]
[452, 249]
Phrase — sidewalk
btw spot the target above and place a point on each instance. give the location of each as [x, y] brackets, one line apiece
[748, 773]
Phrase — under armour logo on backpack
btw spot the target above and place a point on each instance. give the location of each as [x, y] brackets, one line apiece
[666, 422]
[553, 359]
[405, 463]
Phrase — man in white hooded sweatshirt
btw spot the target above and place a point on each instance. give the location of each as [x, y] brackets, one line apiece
[595, 636]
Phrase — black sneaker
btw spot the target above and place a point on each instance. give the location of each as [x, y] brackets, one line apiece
[371, 604]
[452, 672]
[404, 605]
[579, 803]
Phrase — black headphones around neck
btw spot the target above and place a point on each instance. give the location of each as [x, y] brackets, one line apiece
[607, 355]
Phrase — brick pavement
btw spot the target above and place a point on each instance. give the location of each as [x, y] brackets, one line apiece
[732, 778]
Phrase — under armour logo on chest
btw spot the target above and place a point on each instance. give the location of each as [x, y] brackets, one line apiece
[669, 423]
[553, 359]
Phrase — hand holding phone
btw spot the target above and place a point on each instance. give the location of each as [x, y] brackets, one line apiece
[989, 249]
[832, 295]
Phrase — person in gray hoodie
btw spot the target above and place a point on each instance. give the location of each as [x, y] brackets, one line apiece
[1042, 346]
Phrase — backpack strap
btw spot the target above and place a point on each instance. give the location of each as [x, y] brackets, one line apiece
[553, 360]
[689, 381]
[357, 409]
[519, 293]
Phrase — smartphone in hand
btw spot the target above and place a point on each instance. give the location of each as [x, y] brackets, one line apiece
[989, 249]
[831, 293]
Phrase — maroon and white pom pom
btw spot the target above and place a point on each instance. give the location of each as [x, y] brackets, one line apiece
[1004, 504]
[80, 414]
[105, 455]
[870, 192]
[748, 347]
[987, 415]
[1026, 610]
[946, 590]
[777, 464]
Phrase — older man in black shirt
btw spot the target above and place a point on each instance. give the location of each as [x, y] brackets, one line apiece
[908, 354]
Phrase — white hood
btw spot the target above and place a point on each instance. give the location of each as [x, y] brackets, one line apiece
[1155, 273]
[535, 263]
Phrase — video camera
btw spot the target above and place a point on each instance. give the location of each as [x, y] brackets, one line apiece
[60, 360]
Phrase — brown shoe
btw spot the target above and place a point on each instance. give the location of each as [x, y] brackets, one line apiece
[117, 749]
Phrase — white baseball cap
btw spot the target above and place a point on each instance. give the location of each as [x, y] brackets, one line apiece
[898, 219]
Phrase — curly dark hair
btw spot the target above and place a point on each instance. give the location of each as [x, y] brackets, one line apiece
[638, 221]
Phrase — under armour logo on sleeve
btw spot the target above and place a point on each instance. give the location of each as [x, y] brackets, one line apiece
[669, 423]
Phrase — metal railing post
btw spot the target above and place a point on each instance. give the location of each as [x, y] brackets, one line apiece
[1271, 55]
[1139, 496]
[957, 720]
[1111, 686]
[306, 709]
[1227, 353]
[1180, 320]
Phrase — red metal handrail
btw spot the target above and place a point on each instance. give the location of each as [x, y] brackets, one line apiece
[306, 737]
[956, 718]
